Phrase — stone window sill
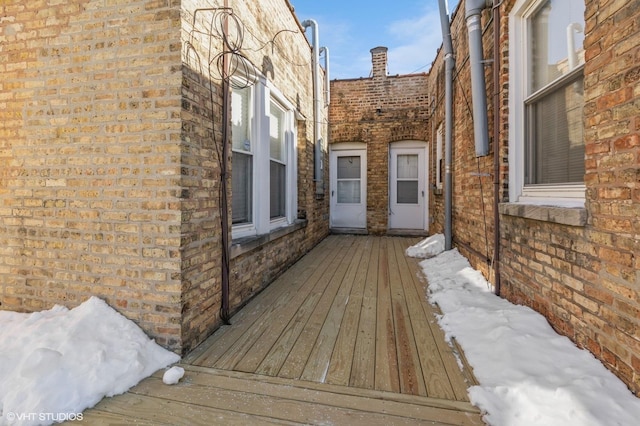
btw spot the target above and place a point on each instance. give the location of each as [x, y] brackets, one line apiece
[243, 245]
[572, 216]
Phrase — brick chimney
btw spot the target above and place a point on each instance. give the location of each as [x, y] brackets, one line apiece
[379, 60]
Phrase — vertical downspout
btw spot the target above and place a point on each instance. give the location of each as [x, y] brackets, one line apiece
[317, 140]
[496, 145]
[224, 308]
[449, 63]
[478, 88]
[327, 87]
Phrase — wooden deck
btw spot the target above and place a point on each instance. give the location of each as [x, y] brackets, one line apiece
[345, 336]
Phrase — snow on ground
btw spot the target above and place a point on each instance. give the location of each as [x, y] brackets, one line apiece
[528, 374]
[428, 247]
[56, 363]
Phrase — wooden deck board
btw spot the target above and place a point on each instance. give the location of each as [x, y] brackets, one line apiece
[212, 396]
[170, 411]
[363, 366]
[345, 336]
[445, 353]
[317, 366]
[411, 377]
[226, 343]
[342, 357]
[271, 404]
[432, 366]
[252, 381]
[327, 289]
[293, 313]
[386, 361]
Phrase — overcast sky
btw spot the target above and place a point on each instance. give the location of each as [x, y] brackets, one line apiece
[351, 28]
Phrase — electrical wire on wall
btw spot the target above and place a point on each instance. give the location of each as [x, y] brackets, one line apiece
[493, 260]
[217, 67]
[232, 69]
[490, 259]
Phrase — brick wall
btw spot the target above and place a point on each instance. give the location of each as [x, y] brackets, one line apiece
[612, 138]
[109, 161]
[473, 186]
[89, 158]
[578, 268]
[277, 55]
[377, 111]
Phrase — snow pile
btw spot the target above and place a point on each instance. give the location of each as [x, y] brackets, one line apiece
[428, 247]
[56, 363]
[528, 374]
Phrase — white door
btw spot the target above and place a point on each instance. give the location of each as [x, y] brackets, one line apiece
[408, 192]
[348, 208]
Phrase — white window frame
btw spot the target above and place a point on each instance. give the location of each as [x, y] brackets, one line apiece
[570, 194]
[263, 93]
[249, 227]
[290, 158]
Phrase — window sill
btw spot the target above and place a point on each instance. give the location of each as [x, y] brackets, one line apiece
[243, 245]
[572, 216]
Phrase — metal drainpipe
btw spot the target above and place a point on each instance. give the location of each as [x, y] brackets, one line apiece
[496, 145]
[327, 87]
[449, 62]
[473, 9]
[315, 63]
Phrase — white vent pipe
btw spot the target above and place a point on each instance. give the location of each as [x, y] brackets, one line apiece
[317, 139]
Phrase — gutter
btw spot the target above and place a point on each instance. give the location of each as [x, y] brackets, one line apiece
[327, 86]
[473, 10]
[449, 63]
[496, 146]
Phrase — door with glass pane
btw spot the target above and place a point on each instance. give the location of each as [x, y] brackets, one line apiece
[348, 189]
[407, 192]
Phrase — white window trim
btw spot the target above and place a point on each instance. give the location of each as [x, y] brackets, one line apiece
[518, 77]
[262, 94]
[291, 139]
[249, 228]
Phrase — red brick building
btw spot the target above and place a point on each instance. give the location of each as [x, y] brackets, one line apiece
[561, 181]
[378, 152]
[566, 171]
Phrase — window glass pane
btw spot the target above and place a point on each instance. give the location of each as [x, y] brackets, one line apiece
[349, 167]
[349, 191]
[556, 40]
[277, 189]
[241, 182]
[407, 192]
[556, 151]
[240, 119]
[408, 166]
[276, 132]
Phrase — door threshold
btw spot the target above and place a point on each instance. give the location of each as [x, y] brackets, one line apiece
[355, 231]
[408, 232]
